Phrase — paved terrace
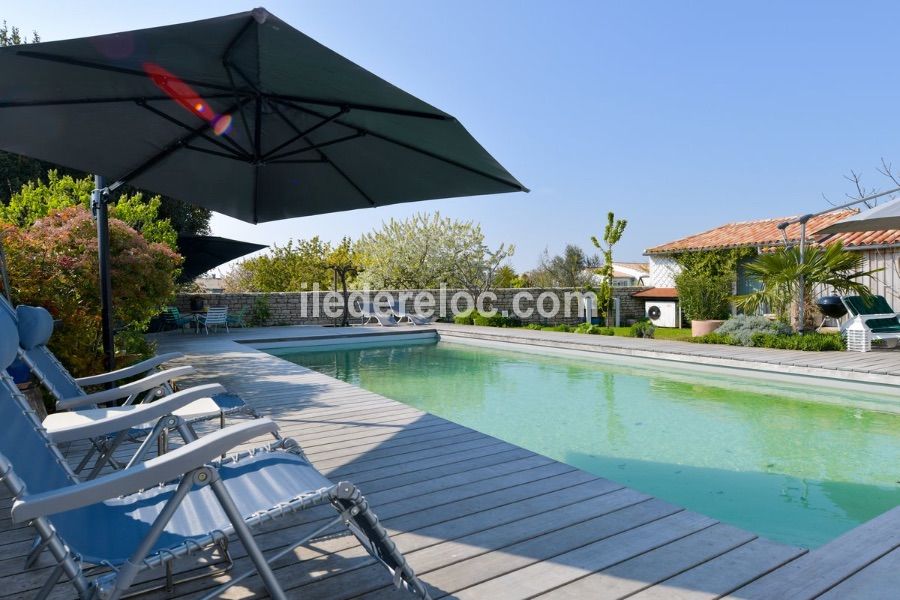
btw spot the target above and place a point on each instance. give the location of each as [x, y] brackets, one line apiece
[480, 518]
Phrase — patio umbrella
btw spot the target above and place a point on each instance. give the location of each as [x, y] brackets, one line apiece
[241, 114]
[203, 253]
[879, 218]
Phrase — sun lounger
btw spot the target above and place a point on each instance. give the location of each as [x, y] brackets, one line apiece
[875, 314]
[402, 316]
[74, 405]
[372, 316]
[103, 533]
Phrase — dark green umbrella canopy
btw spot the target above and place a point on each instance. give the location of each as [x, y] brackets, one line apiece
[241, 114]
[203, 253]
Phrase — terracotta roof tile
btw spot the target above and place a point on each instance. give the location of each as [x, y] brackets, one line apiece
[762, 233]
[656, 293]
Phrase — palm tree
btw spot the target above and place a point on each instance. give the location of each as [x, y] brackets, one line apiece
[782, 272]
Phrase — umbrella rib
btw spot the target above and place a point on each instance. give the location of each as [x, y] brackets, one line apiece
[76, 101]
[366, 107]
[303, 134]
[324, 156]
[174, 146]
[339, 140]
[413, 148]
[102, 67]
[240, 153]
[230, 155]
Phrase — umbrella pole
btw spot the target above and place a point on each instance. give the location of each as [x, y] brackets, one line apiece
[100, 206]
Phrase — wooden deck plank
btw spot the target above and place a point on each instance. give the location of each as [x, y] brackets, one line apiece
[878, 581]
[560, 569]
[818, 571]
[646, 570]
[478, 517]
[723, 574]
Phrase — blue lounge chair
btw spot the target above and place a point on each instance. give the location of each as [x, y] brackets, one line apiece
[76, 407]
[103, 533]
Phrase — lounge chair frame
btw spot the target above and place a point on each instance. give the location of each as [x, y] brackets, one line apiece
[352, 508]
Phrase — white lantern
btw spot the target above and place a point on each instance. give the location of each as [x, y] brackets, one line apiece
[859, 338]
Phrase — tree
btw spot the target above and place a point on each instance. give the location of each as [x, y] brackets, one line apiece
[781, 272]
[343, 260]
[505, 277]
[17, 170]
[38, 199]
[53, 263]
[297, 266]
[427, 250]
[612, 233]
[570, 269]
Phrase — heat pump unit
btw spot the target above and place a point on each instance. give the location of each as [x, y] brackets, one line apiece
[662, 313]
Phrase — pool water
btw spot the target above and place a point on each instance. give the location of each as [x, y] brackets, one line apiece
[763, 457]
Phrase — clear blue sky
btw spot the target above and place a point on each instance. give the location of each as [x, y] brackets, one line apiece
[678, 116]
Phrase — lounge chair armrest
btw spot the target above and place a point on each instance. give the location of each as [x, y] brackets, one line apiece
[156, 471]
[137, 369]
[123, 391]
[877, 316]
[138, 415]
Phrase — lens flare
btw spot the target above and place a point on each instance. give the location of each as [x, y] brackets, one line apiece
[222, 124]
[187, 97]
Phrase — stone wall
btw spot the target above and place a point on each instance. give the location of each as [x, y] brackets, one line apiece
[309, 308]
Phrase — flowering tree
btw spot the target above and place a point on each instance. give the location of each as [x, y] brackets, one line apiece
[427, 250]
[53, 263]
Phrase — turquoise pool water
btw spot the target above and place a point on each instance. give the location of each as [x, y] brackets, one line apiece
[760, 456]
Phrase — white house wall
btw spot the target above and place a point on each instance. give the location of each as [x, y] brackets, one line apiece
[663, 270]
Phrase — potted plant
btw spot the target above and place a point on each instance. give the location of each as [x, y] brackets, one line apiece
[704, 300]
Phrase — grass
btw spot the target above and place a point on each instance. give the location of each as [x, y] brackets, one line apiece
[661, 333]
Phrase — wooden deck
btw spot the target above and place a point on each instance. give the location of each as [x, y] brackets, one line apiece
[481, 518]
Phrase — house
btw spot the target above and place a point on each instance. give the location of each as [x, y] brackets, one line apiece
[211, 284]
[880, 249]
[626, 274]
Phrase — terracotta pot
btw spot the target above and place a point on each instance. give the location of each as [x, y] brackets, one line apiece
[699, 328]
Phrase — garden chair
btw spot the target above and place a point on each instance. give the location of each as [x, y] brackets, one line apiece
[371, 315]
[215, 316]
[173, 317]
[103, 533]
[876, 314]
[76, 406]
[238, 319]
[402, 316]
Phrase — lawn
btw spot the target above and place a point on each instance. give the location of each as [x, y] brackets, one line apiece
[661, 333]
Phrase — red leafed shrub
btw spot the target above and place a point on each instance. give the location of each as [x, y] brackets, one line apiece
[54, 264]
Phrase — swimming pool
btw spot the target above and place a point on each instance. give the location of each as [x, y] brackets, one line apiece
[765, 457]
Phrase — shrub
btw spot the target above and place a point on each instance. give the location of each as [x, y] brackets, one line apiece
[260, 313]
[495, 320]
[594, 329]
[810, 342]
[562, 327]
[715, 338]
[534, 326]
[53, 263]
[743, 328]
[642, 329]
[703, 296]
[464, 318]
